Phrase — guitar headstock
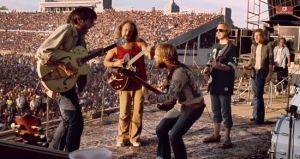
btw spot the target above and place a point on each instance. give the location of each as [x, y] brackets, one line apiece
[121, 41]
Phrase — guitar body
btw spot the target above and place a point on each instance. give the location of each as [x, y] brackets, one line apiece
[54, 78]
[117, 81]
[30, 130]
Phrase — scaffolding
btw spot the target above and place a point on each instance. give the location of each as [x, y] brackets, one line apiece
[259, 11]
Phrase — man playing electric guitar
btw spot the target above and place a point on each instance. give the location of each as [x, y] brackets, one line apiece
[65, 38]
[222, 63]
[130, 126]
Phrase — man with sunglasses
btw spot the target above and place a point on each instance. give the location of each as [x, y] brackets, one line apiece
[220, 71]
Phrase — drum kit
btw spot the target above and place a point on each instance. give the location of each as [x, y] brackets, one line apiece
[285, 141]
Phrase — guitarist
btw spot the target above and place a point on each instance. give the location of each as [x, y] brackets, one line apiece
[221, 69]
[66, 37]
[130, 125]
[185, 89]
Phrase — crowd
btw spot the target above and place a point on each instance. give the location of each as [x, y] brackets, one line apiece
[26, 31]
[22, 35]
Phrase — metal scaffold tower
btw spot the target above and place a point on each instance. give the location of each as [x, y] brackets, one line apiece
[257, 12]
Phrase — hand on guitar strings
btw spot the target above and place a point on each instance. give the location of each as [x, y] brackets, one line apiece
[68, 69]
[206, 73]
[118, 63]
[216, 64]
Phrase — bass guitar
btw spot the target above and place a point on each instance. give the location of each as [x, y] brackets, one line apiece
[58, 77]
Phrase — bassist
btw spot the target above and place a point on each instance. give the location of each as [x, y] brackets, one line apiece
[222, 63]
[67, 37]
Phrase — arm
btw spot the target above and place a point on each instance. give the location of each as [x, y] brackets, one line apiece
[178, 81]
[288, 55]
[108, 60]
[53, 42]
[271, 62]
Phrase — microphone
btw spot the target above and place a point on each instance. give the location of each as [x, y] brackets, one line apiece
[169, 28]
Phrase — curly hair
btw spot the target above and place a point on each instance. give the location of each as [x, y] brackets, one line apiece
[134, 35]
[83, 13]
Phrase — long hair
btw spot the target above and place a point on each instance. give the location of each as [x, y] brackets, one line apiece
[168, 52]
[134, 35]
[81, 13]
[261, 31]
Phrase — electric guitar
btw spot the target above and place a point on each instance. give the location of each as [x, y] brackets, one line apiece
[116, 79]
[62, 74]
[210, 73]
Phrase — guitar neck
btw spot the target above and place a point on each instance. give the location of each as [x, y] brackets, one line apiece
[145, 84]
[97, 52]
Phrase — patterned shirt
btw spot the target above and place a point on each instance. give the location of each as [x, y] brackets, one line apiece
[184, 88]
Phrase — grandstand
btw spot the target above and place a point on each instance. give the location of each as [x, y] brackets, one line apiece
[27, 30]
[69, 5]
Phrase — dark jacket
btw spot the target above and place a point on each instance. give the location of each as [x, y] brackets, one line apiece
[267, 56]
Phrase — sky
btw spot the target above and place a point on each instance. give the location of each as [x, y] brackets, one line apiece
[238, 7]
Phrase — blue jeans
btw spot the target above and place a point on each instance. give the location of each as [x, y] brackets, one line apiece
[178, 123]
[221, 108]
[68, 133]
[258, 84]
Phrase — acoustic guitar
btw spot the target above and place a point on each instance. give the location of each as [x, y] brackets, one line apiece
[29, 128]
[58, 77]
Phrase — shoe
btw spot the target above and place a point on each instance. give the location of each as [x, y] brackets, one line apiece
[212, 138]
[227, 144]
[136, 144]
[259, 123]
[120, 144]
[252, 119]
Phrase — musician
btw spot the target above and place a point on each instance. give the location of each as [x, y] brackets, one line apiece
[262, 63]
[130, 125]
[185, 89]
[282, 61]
[66, 37]
[221, 68]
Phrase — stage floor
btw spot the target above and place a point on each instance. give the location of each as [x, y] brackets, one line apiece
[248, 139]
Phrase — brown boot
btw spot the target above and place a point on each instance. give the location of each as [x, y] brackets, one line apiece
[227, 144]
[212, 138]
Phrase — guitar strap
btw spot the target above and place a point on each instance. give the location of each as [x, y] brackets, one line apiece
[224, 50]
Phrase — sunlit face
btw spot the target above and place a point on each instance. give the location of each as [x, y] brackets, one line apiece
[258, 37]
[281, 43]
[221, 31]
[127, 31]
[158, 58]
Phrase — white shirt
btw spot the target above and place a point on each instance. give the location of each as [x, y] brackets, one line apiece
[280, 55]
[258, 63]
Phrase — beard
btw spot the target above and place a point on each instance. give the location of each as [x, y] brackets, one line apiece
[161, 65]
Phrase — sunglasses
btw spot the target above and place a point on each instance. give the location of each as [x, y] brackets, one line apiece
[221, 30]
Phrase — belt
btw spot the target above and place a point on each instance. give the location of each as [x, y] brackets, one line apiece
[195, 105]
